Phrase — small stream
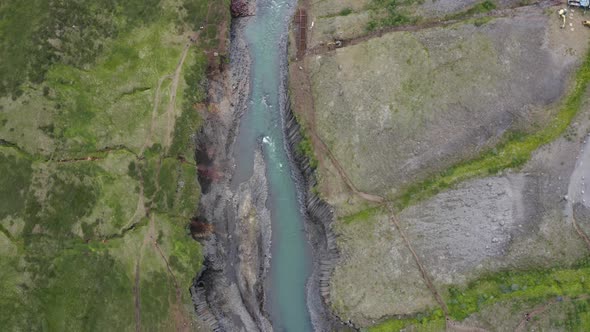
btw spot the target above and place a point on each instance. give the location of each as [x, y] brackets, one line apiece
[291, 257]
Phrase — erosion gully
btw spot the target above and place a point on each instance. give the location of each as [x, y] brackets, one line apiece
[262, 122]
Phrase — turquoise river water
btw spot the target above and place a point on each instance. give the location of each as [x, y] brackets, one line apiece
[291, 257]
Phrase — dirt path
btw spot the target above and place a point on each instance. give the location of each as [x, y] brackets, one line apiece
[172, 100]
[138, 208]
[458, 327]
[580, 232]
[156, 105]
[179, 315]
[319, 145]
[431, 23]
[137, 297]
[317, 142]
[543, 308]
[136, 286]
[418, 262]
[137, 282]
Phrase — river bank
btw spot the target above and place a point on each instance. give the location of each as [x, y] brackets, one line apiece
[318, 226]
[232, 292]
[228, 291]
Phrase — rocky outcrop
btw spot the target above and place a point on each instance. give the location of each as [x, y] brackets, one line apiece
[242, 8]
[319, 218]
[319, 221]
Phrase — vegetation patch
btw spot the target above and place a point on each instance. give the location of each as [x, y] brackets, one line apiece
[305, 148]
[577, 316]
[184, 255]
[170, 184]
[433, 321]
[515, 150]
[155, 296]
[479, 8]
[14, 183]
[363, 215]
[38, 34]
[200, 13]
[305, 145]
[60, 197]
[533, 286]
[519, 289]
[344, 12]
[107, 104]
[189, 120]
[188, 192]
[394, 14]
[81, 271]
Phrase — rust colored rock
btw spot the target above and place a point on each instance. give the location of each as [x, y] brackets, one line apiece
[242, 8]
[200, 228]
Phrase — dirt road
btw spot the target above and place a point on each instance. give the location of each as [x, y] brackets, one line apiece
[579, 189]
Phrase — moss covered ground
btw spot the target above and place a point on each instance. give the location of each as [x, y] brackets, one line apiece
[94, 196]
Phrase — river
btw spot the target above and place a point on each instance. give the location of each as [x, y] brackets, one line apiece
[262, 122]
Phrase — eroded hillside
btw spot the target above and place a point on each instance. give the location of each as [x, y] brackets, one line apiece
[450, 138]
[99, 102]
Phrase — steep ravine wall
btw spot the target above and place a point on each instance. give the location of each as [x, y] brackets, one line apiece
[319, 220]
[318, 214]
[229, 292]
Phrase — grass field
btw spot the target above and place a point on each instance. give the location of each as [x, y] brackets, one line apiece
[94, 201]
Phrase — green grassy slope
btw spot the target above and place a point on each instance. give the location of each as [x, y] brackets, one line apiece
[521, 291]
[94, 199]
